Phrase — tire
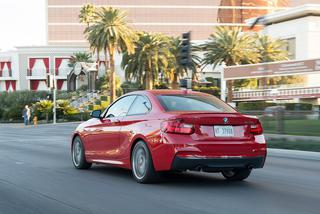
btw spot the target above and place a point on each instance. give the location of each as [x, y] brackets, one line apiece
[142, 164]
[236, 174]
[78, 155]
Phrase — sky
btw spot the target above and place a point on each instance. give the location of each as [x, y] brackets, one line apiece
[22, 23]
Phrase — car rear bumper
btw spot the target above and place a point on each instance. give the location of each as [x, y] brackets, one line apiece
[185, 153]
[217, 164]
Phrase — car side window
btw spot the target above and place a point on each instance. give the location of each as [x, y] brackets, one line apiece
[121, 107]
[141, 105]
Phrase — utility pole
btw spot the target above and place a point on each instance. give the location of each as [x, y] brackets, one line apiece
[51, 82]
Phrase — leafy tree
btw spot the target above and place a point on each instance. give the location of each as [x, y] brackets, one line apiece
[44, 106]
[152, 56]
[229, 46]
[111, 32]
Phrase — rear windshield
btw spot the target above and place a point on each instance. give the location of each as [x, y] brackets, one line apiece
[191, 102]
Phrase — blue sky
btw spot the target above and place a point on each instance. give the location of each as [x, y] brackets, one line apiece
[22, 22]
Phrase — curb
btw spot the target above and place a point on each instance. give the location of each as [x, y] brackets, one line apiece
[294, 154]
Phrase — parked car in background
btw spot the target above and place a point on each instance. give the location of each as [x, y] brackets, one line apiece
[272, 111]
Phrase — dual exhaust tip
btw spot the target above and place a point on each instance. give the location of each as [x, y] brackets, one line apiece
[202, 168]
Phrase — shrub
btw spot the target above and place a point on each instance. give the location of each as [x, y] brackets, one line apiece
[257, 106]
[213, 90]
[298, 106]
[12, 104]
[104, 98]
[161, 86]
[130, 86]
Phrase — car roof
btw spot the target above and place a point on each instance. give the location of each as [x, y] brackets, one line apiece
[165, 92]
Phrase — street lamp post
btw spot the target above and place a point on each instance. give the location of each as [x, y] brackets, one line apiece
[54, 98]
[223, 83]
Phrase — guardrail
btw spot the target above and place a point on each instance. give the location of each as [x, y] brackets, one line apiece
[263, 94]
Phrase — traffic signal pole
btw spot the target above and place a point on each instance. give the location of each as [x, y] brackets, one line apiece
[185, 58]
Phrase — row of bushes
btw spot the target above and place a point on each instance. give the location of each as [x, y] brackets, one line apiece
[261, 105]
[12, 105]
[214, 90]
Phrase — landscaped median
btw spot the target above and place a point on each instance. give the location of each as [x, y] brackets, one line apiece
[292, 142]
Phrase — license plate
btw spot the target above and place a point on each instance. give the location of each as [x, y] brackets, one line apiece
[223, 131]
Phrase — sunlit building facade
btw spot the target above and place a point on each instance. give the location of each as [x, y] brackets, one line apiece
[172, 17]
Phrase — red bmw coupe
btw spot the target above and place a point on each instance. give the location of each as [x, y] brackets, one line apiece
[170, 130]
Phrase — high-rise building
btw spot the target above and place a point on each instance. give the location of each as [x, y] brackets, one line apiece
[172, 17]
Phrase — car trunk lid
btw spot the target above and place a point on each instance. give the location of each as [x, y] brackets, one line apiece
[211, 126]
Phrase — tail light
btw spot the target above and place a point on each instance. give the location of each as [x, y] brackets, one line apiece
[177, 127]
[256, 129]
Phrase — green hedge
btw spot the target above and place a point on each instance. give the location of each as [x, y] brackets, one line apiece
[12, 104]
[213, 90]
[261, 105]
[298, 106]
[251, 106]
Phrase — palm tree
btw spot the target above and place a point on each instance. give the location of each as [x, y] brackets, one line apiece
[270, 50]
[177, 69]
[112, 33]
[87, 14]
[152, 57]
[80, 57]
[44, 106]
[230, 46]
[65, 107]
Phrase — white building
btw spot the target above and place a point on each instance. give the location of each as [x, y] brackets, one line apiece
[300, 27]
[27, 68]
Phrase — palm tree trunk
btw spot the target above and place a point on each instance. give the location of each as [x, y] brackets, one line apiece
[149, 81]
[175, 83]
[112, 77]
[106, 65]
[230, 92]
[47, 117]
[98, 57]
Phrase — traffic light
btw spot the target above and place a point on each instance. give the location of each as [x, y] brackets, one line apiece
[50, 81]
[185, 50]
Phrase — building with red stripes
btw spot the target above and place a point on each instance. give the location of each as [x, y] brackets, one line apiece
[27, 68]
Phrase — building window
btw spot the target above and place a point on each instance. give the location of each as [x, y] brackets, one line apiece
[291, 47]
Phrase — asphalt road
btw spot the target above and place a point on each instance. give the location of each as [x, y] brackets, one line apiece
[37, 176]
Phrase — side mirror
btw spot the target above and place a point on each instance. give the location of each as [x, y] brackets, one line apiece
[96, 114]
